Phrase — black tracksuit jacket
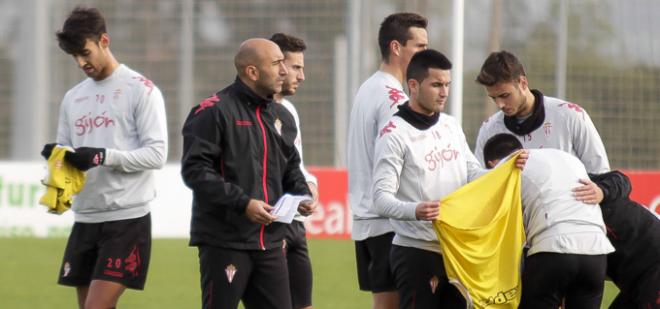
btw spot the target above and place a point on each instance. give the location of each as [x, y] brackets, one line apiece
[631, 228]
[237, 147]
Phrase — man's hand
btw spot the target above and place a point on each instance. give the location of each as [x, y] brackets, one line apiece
[315, 192]
[306, 208]
[588, 193]
[48, 149]
[259, 212]
[427, 211]
[522, 159]
[85, 157]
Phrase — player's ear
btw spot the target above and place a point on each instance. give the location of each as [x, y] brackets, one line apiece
[413, 86]
[104, 40]
[252, 72]
[522, 81]
[491, 163]
[395, 48]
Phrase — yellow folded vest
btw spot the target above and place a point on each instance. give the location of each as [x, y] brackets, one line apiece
[481, 234]
[63, 182]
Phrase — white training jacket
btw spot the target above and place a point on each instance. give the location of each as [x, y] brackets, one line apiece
[414, 165]
[375, 103]
[567, 126]
[554, 220]
[298, 143]
[125, 114]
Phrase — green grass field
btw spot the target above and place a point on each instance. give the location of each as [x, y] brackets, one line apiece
[28, 269]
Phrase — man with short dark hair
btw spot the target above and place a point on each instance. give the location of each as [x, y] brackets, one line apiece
[567, 242]
[295, 243]
[401, 35]
[115, 121]
[238, 164]
[539, 121]
[421, 155]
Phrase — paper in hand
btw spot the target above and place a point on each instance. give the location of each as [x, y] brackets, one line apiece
[287, 206]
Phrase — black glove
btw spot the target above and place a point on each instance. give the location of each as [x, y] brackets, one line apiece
[85, 157]
[48, 149]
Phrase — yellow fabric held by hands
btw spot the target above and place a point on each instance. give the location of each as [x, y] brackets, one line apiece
[481, 234]
[63, 182]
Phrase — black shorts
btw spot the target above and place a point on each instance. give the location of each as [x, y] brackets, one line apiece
[373, 263]
[645, 294]
[116, 251]
[550, 277]
[300, 267]
[422, 281]
[259, 278]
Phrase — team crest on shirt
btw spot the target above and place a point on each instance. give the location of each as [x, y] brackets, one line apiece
[434, 283]
[547, 128]
[66, 268]
[230, 271]
[278, 126]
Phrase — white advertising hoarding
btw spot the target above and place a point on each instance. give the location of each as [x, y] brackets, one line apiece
[21, 214]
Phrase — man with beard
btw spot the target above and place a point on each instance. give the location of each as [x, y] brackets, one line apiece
[295, 243]
[237, 164]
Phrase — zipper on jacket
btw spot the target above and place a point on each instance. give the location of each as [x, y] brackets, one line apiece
[264, 177]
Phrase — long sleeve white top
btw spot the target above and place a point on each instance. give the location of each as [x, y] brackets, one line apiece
[375, 103]
[125, 114]
[567, 126]
[554, 220]
[412, 166]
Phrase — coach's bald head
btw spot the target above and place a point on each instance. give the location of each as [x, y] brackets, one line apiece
[259, 64]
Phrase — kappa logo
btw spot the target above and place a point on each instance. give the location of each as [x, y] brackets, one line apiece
[98, 158]
[208, 102]
[395, 95]
[387, 128]
[434, 283]
[146, 82]
[574, 107]
[67, 269]
[230, 271]
[133, 261]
